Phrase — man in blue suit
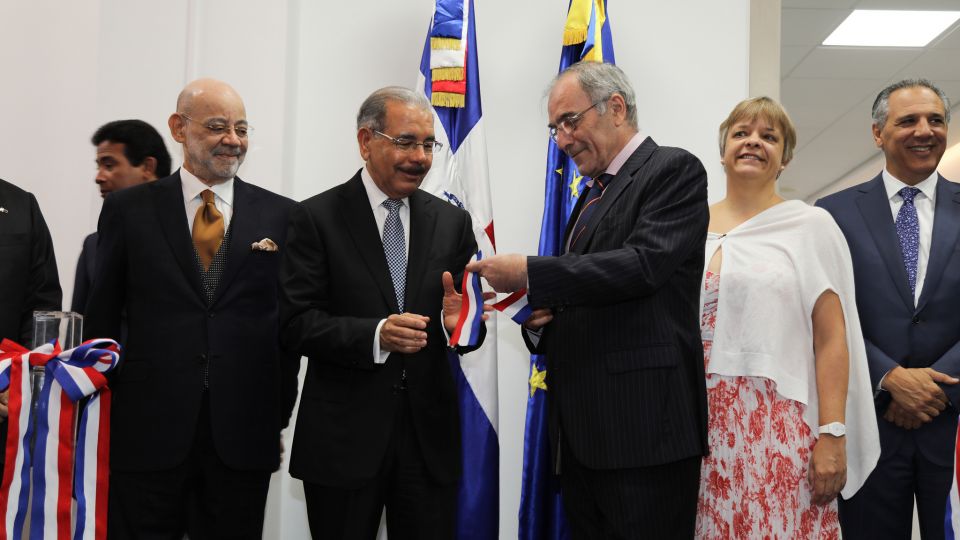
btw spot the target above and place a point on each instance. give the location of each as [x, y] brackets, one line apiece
[903, 229]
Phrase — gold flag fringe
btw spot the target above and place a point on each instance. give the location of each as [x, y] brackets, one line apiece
[447, 43]
[573, 36]
[447, 74]
[448, 99]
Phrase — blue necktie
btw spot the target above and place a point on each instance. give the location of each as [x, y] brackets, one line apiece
[593, 200]
[908, 229]
[394, 247]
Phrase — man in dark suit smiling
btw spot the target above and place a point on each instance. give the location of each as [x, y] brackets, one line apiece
[364, 278]
[202, 392]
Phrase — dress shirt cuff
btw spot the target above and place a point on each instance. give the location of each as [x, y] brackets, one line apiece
[379, 356]
[880, 388]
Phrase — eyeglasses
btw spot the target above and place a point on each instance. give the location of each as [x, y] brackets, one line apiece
[569, 124]
[405, 144]
[220, 129]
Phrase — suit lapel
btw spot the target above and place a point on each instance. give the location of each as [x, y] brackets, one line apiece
[243, 225]
[946, 225]
[168, 203]
[362, 227]
[875, 208]
[422, 222]
[618, 186]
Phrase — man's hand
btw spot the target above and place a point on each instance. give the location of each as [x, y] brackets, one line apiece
[4, 398]
[538, 319]
[505, 273]
[828, 468]
[404, 333]
[453, 301]
[916, 390]
[900, 417]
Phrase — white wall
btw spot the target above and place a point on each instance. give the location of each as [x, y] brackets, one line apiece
[303, 68]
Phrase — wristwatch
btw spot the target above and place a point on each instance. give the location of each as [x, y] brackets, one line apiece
[836, 429]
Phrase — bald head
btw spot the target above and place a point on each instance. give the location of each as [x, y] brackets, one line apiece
[211, 124]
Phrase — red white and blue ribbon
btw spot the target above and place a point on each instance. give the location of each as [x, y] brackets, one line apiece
[516, 306]
[952, 519]
[467, 332]
[67, 463]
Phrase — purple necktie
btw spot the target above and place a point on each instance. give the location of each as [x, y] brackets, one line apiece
[908, 230]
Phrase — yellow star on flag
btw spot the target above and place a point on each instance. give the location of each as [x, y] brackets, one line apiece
[575, 185]
[538, 379]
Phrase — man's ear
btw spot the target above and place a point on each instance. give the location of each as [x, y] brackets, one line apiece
[877, 135]
[364, 136]
[149, 167]
[618, 107]
[177, 126]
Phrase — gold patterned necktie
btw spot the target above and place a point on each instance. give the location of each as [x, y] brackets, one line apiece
[207, 229]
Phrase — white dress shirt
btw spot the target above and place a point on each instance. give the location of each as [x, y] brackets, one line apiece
[924, 202]
[192, 188]
[376, 198]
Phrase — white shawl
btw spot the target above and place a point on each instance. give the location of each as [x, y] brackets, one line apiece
[773, 270]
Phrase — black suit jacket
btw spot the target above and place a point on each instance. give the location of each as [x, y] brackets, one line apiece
[146, 265]
[336, 288]
[83, 279]
[896, 332]
[28, 268]
[625, 360]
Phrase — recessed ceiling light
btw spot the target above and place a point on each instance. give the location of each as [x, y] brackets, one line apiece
[882, 28]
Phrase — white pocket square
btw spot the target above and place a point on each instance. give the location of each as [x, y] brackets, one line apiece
[264, 245]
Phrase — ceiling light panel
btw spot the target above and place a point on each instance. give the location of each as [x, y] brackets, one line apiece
[888, 28]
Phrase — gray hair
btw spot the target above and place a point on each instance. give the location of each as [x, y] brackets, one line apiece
[601, 81]
[373, 112]
[881, 105]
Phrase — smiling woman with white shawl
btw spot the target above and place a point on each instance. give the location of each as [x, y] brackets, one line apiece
[792, 423]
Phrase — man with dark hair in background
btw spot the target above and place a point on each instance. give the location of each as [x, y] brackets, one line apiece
[129, 152]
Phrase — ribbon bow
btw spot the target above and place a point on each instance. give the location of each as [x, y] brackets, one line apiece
[67, 463]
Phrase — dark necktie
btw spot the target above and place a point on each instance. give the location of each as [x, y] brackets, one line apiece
[207, 229]
[394, 247]
[593, 197]
[908, 229]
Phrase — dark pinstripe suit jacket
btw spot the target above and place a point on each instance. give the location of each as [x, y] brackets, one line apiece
[625, 361]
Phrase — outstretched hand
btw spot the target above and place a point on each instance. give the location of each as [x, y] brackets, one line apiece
[453, 303]
[505, 273]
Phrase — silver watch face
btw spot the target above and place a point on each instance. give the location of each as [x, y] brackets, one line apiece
[836, 429]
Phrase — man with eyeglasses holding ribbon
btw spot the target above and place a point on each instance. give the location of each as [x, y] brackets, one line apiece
[364, 278]
[203, 390]
[618, 317]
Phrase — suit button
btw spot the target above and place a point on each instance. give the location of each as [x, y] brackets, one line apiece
[210, 314]
[202, 358]
[916, 319]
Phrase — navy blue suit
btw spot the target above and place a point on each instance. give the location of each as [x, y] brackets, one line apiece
[897, 333]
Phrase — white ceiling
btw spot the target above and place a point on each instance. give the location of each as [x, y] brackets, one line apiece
[828, 91]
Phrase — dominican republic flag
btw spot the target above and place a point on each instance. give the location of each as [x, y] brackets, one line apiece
[587, 37]
[450, 78]
[952, 515]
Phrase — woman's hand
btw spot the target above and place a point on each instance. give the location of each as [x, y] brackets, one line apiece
[828, 468]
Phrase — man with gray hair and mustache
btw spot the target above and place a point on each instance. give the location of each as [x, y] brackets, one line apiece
[364, 277]
[202, 390]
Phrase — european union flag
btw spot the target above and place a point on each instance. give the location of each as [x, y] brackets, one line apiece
[587, 37]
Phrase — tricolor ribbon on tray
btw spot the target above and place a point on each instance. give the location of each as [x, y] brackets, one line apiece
[516, 306]
[67, 462]
[448, 53]
[467, 332]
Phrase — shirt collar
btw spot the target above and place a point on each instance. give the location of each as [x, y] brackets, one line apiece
[192, 187]
[893, 185]
[623, 155]
[374, 194]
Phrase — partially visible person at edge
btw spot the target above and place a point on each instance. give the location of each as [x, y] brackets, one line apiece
[785, 362]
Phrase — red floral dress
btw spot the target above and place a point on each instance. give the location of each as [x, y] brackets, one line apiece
[754, 482]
